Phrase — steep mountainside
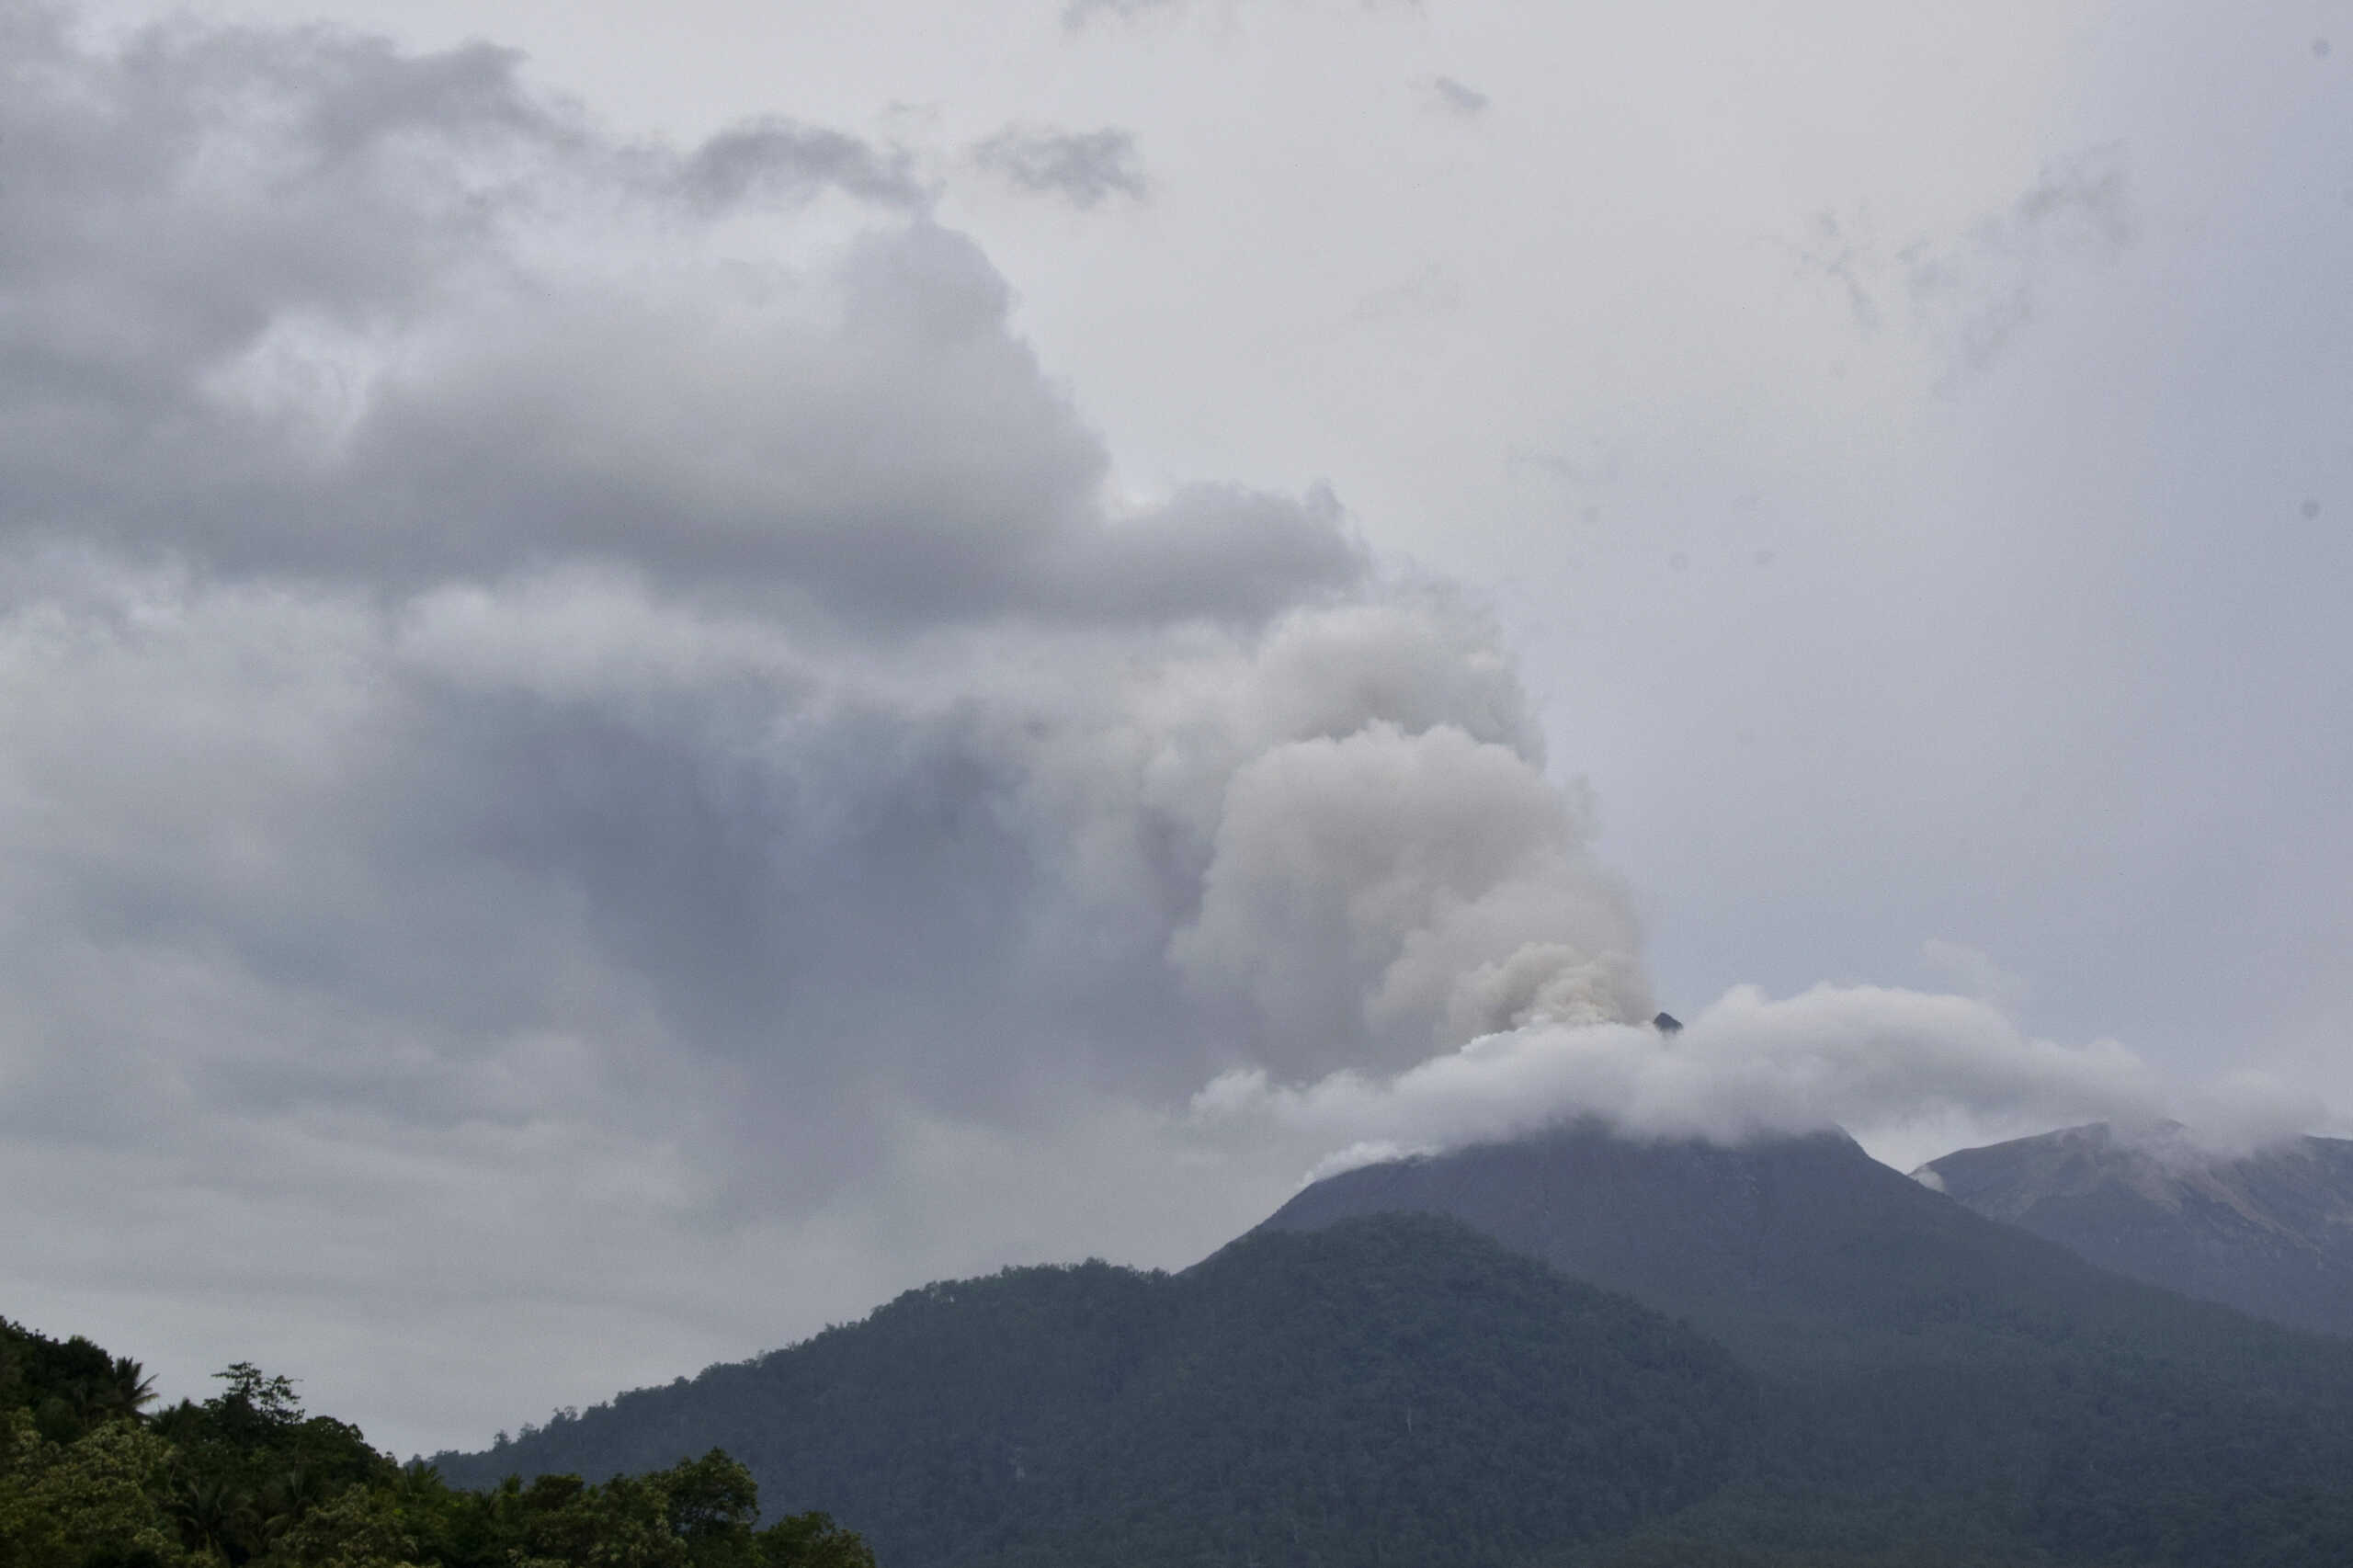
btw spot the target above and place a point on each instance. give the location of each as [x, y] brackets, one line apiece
[1910, 1347]
[1398, 1390]
[1797, 1252]
[2271, 1233]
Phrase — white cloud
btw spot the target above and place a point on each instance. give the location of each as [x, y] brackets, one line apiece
[1895, 1068]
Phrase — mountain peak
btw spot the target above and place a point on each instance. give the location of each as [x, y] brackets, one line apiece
[2270, 1232]
[1788, 1248]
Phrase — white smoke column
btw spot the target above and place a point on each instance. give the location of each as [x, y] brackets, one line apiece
[1389, 887]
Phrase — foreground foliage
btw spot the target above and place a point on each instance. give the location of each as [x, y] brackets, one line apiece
[88, 1479]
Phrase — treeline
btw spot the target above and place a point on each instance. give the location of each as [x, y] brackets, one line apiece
[90, 1477]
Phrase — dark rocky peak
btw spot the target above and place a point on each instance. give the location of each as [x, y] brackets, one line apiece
[1794, 1250]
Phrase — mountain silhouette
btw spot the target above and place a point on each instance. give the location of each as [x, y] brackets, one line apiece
[1796, 1251]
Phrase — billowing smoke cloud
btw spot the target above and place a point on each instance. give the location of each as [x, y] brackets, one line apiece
[1391, 886]
[557, 684]
[595, 756]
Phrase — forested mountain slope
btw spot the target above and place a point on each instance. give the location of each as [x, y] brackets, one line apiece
[1798, 1252]
[1397, 1391]
[1909, 1348]
[1357, 1383]
[2270, 1232]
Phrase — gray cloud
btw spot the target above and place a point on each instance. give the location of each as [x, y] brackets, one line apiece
[1085, 168]
[1596, 464]
[780, 161]
[1841, 257]
[572, 686]
[1079, 13]
[1968, 294]
[1433, 291]
[1984, 286]
[1449, 96]
[400, 319]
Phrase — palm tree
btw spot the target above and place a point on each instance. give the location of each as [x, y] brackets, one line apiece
[211, 1514]
[288, 1496]
[128, 1390]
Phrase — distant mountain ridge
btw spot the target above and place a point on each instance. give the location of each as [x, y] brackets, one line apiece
[2270, 1232]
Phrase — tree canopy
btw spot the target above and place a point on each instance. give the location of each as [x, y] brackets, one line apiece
[247, 1479]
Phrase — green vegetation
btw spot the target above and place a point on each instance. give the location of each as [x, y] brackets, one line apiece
[1393, 1392]
[1400, 1390]
[88, 1479]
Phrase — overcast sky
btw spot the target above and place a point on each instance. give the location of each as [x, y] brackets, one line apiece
[659, 679]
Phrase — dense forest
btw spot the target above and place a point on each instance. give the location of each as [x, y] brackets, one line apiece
[90, 1477]
[1396, 1392]
[1403, 1390]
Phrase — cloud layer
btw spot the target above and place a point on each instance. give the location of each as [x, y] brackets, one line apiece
[1902, 1069]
